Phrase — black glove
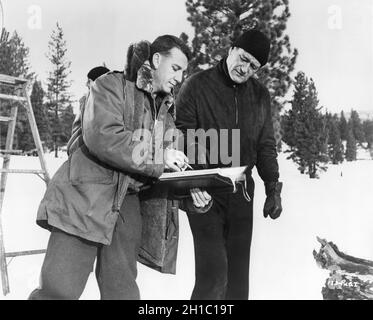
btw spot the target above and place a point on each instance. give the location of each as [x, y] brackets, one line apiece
[272, 206]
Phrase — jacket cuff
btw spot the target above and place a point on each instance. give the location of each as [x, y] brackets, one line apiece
[273, 187]
[155, 171]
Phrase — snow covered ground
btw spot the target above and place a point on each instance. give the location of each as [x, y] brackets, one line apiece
[337, 207]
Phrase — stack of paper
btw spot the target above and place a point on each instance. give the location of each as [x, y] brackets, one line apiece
[213, 180]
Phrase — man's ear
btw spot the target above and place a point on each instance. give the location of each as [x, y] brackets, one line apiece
[156, 60]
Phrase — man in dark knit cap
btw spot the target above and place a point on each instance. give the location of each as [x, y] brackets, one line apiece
[229, 97]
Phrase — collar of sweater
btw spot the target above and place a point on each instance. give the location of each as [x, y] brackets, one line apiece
[223, 72]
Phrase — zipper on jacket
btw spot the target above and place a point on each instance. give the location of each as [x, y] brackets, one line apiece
[155, 115]
[235, 104]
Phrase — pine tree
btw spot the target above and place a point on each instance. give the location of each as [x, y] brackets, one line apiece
[14, 57]
[290, 118]
[67, 119]
[37, 101]
[58, 84]
[343, 127]
[24, 135]
[14, 62]
[310, 128]
[335, 149]
[351, 144]
[287, 124]
[41, 113]
[368, 132]
[218, 23]
[357, 127]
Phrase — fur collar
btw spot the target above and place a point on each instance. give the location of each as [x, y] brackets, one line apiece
[144, 82]
[145, 77]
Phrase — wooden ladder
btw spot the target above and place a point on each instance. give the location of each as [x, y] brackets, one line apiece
[20, 96]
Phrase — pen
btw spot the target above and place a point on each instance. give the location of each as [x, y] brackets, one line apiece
[188, 166]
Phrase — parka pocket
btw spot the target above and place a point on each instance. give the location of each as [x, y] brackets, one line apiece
[84, 168]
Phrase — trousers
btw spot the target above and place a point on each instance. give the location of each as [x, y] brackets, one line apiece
[69, 260]
[222, 240]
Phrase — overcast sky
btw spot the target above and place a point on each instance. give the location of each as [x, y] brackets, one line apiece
[334, 39]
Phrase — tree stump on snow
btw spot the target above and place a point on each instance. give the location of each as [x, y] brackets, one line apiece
[350, 278]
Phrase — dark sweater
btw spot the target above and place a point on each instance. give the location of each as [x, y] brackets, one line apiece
[210, 99]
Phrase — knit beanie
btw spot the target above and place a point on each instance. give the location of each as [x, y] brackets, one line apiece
[97, 72]
[255, 43]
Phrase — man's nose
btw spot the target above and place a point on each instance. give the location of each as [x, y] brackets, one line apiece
[179, 77]
[246, 68]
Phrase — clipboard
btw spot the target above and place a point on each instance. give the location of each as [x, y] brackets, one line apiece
[219, 180]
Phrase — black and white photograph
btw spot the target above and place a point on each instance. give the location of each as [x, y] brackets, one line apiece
[177, 150]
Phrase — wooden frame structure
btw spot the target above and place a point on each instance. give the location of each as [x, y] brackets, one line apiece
[21, 97]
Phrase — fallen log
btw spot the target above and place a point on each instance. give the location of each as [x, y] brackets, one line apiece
[350, 278]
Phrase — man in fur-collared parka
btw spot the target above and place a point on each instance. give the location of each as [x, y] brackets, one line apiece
[99, 204]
